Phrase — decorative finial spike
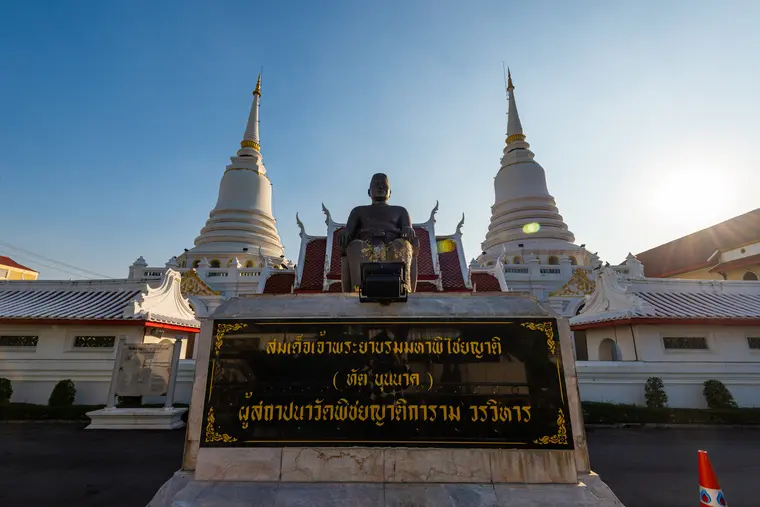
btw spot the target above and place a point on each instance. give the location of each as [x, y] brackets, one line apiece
[257, 91]
[510, 86]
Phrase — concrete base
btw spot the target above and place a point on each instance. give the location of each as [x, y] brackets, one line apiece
[136, 419]
[184, 491]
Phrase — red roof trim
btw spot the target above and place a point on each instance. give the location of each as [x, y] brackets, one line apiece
[668, 321]
[7, 261]
[737, 263]
[172, 327]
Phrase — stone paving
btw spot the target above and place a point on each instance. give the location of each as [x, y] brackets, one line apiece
[57, 465]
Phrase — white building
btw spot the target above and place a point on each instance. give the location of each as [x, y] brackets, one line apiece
[682, 331]
[56, 330]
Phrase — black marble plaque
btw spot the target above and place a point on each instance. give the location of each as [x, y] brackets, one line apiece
[493, 384]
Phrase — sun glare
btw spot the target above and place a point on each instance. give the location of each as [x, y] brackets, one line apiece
[691, 198]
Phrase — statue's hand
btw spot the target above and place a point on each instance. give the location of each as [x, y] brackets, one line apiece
[408, 234]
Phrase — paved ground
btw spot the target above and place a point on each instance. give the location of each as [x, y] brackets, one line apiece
[60, 465]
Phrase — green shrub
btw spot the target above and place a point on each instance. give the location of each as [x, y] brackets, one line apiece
[613, 413]
[6, 391]
[717, 395]
[654, 392]
[63, 394]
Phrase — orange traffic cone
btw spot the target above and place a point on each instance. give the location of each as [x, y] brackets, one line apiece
[710, 494]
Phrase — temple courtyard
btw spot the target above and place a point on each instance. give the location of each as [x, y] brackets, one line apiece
[51, 465]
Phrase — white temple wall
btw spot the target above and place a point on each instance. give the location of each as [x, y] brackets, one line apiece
[623, 381]
[34, 371]
[728, 358]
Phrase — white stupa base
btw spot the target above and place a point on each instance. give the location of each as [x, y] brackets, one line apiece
[136, 419]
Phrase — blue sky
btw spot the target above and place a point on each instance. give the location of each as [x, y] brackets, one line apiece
[118, 118]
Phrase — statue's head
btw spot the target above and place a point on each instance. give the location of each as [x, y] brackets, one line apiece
[379, 188]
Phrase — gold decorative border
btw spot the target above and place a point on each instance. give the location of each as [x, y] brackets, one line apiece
[546, 328]
[222, 330]
[211, 434]
[560, 437]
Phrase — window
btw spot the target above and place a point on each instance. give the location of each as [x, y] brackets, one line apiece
[609, 350]
[573, 261]
[18, 341]
[750, 276]
[581, 347]
[516, 259]
[753, 342]
[214, 263]
[94, 342]
[249, 264]
[196, 263]
[553, 260]
[685, 342]
[3, 274]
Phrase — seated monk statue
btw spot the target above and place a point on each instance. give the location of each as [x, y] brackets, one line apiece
[378, 232]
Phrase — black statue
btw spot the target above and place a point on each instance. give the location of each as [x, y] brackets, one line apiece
[378, 232]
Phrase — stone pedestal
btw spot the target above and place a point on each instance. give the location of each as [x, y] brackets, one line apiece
[136, 419]
[229, 462]
[182, 490]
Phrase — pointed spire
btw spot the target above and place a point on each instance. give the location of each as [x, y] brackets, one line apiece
[514, 127]
[250, 146]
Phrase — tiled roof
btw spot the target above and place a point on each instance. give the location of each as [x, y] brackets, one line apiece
[690, 253]
[7, 261]
[335, 262]
[426, 287]
[451, 270]
[425, 268]
[485, 282]
[314, 265]
[65, 304]
[657, 299]
[279, 283]
[106, 300]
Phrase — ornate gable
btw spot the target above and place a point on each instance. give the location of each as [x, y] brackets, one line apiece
[193, 285]
[579, 285]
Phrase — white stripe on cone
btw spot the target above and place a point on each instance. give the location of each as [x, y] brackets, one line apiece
[713, 495]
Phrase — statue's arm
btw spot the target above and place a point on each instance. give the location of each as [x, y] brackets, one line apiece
[405, 225]
[404, 220]
[347, 233]
[352, 224]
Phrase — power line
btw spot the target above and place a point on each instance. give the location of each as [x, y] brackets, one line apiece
[8, 245]
[30, 261]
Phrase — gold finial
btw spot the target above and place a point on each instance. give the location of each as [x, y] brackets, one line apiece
[257, 91]
[509, 80]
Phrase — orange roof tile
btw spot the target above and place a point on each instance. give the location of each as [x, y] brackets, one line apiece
[691, 252]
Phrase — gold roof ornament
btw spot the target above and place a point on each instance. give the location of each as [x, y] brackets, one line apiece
[257, 91]
[578, 285]
[192, 285]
